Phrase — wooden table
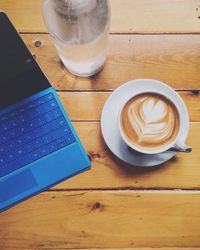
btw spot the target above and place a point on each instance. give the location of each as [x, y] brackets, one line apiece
[114, 205]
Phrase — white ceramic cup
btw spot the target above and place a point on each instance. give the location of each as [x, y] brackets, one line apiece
[157, 87]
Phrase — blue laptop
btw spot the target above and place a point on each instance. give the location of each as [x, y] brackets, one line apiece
[38, 144]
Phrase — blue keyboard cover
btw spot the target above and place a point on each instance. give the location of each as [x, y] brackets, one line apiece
[31, 132]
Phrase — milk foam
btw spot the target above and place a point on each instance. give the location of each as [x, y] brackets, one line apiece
[150, 119]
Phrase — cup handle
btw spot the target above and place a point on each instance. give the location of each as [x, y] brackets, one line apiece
[182, 148]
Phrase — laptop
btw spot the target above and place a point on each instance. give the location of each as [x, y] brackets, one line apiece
[38, 144]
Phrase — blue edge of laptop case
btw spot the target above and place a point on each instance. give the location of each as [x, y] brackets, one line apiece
[45, 172]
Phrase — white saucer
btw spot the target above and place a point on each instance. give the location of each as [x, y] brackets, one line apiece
[109, 124]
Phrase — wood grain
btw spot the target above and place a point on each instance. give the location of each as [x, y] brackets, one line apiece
[103, 219]
[173, 59]
[108, 172]
[87, 106]
[128, 16]
[144, 248]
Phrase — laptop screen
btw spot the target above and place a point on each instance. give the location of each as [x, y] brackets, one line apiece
[20, 76]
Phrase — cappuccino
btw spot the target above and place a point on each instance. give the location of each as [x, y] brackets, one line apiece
[149, 121]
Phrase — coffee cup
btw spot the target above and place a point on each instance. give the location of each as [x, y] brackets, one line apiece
[151, 119]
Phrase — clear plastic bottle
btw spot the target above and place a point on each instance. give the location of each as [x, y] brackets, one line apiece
[80, 30]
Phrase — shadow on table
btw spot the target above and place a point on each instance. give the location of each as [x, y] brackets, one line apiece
[129, 169]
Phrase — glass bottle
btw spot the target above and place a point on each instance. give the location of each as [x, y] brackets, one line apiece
[80, 30]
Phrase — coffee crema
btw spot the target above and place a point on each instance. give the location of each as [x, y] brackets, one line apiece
[150, 121]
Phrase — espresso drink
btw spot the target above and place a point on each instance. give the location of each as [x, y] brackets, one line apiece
[150, 121]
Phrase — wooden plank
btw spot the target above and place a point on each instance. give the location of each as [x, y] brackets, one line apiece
[82, 106]
[108, 172]
[128, 16]
[173, 59]
[103, 219]
[154, 16]
[144, 248]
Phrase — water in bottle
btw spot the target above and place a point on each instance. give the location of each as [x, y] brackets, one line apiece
[80, 30]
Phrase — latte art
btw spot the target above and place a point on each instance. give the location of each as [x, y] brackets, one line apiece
[150, 120]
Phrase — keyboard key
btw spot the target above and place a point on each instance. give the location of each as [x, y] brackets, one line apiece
[23, 129]
[3, 160]
[48, 97]
[13, 133]
[3, 138]
[47, 138]
[52, 146]
[50, 106]
[19, 119]
[22, 110]
[46, 128]
[19, 152]
[28, 137]
[61, 144]
[29, 147]
[6, 126]
[23, 119]
[13, 124]
[44, 151]
[39, 101]
[49, 117]
[37, 143]
[40, 121]
[60, 122]
[30, 115]
[19, 142]
[3, 118]
[39, 110]
[31, 105]
[13, 114]
[3, 149]
[60, 140]
[60, 132]
[10, 157]
[32, 125]
[11, 145]
[33, 115]
[38, 132]
[70, 139]
[35, 155]
[56, 113]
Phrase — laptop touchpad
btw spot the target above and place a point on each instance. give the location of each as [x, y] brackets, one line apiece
[16, 185]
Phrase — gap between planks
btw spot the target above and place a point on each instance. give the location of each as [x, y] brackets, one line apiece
[140, 248]
[125, 190]
[118, 33]
[136, 248]
[111, 90]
